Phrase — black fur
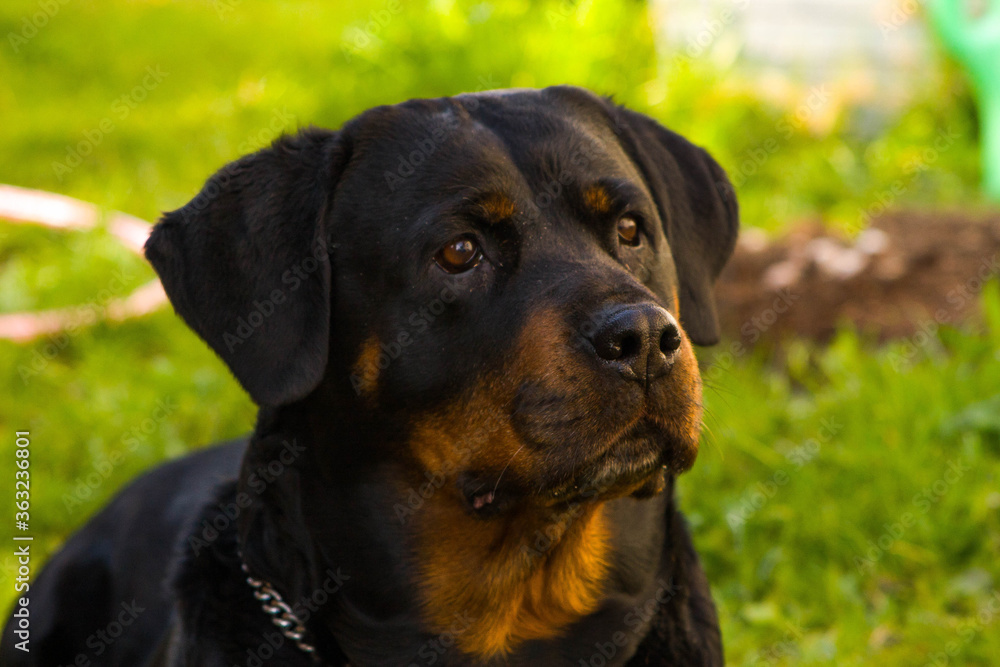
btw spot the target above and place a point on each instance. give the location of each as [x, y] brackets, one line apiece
[292, 258]
[212, 267]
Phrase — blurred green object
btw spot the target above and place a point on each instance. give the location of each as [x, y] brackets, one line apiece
[975, 41]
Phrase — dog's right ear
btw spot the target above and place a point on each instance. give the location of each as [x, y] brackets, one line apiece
[246, 263]
[699, 212]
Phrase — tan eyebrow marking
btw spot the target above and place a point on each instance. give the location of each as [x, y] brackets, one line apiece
[497, 206]
[366, 370]
[597, 199]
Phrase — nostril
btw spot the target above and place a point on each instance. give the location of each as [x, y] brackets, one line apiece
[619, 346]
[629, 345]
[670, 340]
[609, 350]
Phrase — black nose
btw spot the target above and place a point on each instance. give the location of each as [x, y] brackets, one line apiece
[640, 341]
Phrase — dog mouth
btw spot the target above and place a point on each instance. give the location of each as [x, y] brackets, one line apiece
[486, 499]
[636, 464]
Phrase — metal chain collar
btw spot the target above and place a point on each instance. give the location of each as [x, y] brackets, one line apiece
[281, 614]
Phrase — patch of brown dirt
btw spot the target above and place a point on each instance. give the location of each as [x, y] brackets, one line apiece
[908, 270]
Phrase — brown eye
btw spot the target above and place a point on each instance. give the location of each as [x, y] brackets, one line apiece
[459, 255]
[628, 232]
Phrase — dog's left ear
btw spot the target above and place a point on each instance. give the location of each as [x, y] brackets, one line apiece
[246, 263]
[697, 204]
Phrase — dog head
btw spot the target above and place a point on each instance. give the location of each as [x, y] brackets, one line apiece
[513, 280]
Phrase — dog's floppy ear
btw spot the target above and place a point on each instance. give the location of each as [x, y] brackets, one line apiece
[697, 204]
[246, 263]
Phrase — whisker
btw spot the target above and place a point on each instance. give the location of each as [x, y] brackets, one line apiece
[505, 468]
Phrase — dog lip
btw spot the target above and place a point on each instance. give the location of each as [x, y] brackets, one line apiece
[632, 460]
[481, 500]
[483, 494]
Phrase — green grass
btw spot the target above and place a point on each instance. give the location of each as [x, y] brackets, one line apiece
[805, 463]
[810, 454]
[231, 74]
[851, 500]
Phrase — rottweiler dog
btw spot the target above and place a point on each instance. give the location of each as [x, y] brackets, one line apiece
[468, 325]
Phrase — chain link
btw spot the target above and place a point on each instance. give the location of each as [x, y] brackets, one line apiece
[281, 614]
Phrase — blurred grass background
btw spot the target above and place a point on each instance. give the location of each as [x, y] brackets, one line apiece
[813, 458]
